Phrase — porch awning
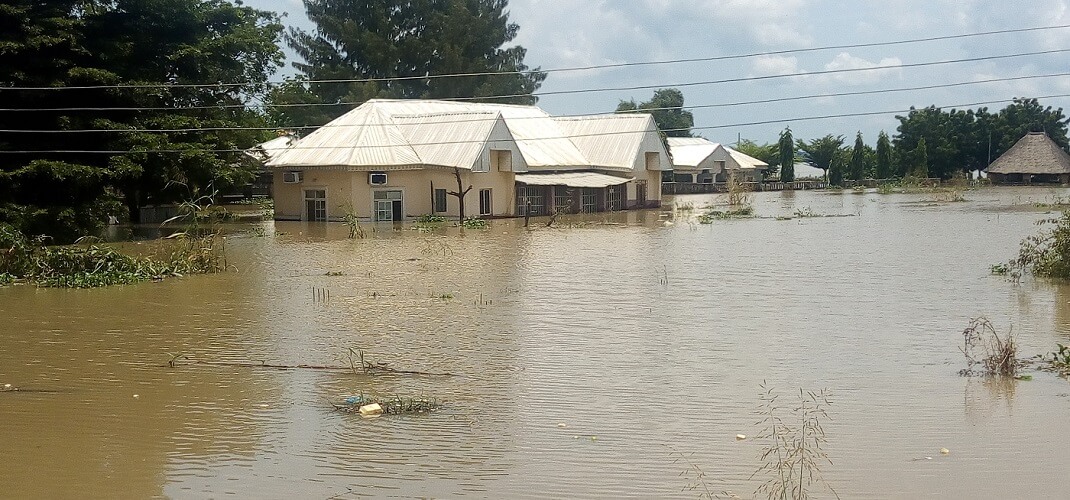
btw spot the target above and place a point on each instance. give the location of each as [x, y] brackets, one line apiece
[572, 179]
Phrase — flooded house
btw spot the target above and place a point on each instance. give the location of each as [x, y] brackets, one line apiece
[391, 160]
[1034, 159]
[698, 160]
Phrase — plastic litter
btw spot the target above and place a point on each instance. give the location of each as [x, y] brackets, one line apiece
[371, 410]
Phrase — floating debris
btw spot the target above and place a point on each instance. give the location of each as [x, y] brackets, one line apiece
[369, 406]
[944, 451]
[372, 410]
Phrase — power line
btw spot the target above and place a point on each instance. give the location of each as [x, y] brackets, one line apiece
[552, 70]
[482, 119]
[599, 134]
[699, 106]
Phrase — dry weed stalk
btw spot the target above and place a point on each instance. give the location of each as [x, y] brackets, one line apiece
[793, 456]
[982, 345]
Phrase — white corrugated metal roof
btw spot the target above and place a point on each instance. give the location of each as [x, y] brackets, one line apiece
[269, 149]
[373, 134]
[690, 151]
[745, 161]
[572, 179]
[364, 136]
[609, 141]
[538, 137]
[448, 139]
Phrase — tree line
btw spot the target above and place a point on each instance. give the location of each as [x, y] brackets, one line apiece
[107, 106]
[928, 143]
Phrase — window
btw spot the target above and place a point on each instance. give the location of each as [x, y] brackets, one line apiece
[387, 205]
[316, 205]
[485, 207]
[589, 200]
[440, 201]
[613, 198]
[530, 200]
[563, 200]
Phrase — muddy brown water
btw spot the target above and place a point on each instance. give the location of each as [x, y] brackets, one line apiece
[645, 334]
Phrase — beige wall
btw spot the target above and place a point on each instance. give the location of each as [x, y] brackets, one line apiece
[351, 191]
[289, 198]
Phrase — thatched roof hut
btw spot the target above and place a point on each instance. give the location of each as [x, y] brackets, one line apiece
[1035, 158]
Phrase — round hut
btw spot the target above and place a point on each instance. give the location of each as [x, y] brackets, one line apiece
[1034, 159]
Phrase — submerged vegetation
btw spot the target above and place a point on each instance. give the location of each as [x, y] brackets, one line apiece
[29, 259]
[1046, 254]
[987, 352]
[395, 405]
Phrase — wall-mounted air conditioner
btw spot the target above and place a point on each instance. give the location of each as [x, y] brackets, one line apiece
[292, 177]
[377, 178]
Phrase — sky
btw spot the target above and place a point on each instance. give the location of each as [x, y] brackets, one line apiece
[577, 33]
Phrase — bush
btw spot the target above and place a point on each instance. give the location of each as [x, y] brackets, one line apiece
[1047, 254]
[89, 266]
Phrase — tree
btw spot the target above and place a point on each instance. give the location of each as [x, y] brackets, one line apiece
[965, 140]
[835, 171]
[821, 152]
[767, 153]
[1027, 115]
[403, 49]
[66, 184]
[786, 150]
[460, 193]
[667, 108]
[884, 157]
[858, 165]
[920, 161]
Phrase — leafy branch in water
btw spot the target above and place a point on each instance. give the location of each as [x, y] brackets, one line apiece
[1046, 254]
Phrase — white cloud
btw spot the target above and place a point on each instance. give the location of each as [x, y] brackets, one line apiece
[775, 65]
[860, 71]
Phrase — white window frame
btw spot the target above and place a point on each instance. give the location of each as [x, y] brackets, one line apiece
[375, 204]
[305, 199]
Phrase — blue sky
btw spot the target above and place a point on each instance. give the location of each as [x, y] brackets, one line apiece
[571, 33]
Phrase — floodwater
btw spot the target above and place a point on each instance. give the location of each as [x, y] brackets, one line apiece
[646, 335]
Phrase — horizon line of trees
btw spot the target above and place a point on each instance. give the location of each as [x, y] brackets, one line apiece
[929, 142]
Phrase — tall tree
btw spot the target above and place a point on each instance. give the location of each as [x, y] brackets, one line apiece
[66, 184]
[884, 156]
[403, 49]
[667, 107]
[858, 165]
[921, 160]
[786, 150]
[821, 152]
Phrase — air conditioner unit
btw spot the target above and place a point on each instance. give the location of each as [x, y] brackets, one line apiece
[292, 177]
[376, 178]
